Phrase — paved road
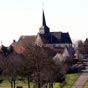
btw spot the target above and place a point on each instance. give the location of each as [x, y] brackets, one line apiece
[82, 78]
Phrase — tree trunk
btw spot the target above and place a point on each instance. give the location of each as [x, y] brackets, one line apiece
[38, 82]
[11, 84]
[50, 85]
[28, 82]
[14, 82]
[39, 85]
[46, 85]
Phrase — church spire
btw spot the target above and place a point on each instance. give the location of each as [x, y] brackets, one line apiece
[44, 28]
[44, 20]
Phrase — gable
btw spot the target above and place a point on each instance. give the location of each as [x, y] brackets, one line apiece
[65, 53]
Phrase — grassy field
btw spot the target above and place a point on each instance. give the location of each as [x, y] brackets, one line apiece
[70, 79]
[18, 83]
[86, 85]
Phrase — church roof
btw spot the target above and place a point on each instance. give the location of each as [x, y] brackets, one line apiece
[52, 37]
[56, 37]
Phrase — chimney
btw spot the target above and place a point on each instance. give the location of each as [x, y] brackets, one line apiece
[14, 41]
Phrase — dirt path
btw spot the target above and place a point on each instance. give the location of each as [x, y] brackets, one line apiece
[4, 87]
[82, 79]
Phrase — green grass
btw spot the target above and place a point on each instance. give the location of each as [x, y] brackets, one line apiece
[86, 85]
[5, 83]
[70, 79]
[18, 83]
[56, 85]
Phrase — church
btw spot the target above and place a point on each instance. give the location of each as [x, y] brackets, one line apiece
[59, 42]
[45, 38]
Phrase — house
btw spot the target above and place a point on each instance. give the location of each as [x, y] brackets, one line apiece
[62, 53]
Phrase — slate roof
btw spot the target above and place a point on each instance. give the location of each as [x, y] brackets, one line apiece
[56, 37]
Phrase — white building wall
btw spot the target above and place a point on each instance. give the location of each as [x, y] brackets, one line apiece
[65, 53]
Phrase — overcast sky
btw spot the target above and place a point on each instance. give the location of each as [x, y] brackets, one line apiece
[24, 17]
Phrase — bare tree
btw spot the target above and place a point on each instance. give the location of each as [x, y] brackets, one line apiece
[10, 64]
[35, 63]
[41, 66]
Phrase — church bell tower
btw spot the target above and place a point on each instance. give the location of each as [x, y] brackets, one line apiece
[44, 28]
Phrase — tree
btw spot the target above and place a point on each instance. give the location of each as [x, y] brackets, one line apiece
[40, 65]
[86, 46]
[83, 47]
[10, 64]
[26, 69]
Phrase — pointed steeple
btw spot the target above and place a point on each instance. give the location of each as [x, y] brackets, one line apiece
[44, 20]
[44, 28]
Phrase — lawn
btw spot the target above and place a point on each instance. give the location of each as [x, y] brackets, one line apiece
[18, 83]
[86, 85]
[70, 79]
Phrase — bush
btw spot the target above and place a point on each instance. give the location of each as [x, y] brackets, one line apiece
[76, 68]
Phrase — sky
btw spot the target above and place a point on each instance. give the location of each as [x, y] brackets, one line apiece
[24, 17]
